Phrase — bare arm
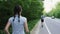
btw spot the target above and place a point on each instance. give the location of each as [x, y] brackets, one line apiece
[6, 28]
[26, 27]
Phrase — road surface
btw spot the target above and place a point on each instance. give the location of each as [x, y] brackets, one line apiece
[51, 26]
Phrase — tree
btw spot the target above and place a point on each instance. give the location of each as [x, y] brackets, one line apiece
[32, 9]
[55, 12]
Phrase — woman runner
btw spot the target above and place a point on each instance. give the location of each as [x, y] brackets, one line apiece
[18, 22]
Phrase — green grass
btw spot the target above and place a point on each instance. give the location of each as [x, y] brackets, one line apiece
[31, 24]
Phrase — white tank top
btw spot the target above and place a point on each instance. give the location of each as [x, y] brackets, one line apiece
[17, 27]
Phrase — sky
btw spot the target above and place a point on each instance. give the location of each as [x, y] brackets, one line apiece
[49, 4]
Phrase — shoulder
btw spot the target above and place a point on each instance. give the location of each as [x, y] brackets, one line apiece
[24, 18]
[11, 18]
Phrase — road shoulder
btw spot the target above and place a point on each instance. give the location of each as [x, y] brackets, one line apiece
[35, 30]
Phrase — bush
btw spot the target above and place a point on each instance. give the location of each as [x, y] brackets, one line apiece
[32, 9]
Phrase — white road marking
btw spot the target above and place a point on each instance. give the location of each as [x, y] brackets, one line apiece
[47, 28]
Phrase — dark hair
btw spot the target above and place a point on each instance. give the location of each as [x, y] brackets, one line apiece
[17, 10]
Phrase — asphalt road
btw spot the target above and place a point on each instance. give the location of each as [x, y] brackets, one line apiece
[51, 26]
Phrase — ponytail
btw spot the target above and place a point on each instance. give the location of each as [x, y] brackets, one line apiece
[17, 11]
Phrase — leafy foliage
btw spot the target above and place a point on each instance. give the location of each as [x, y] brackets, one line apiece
[55, 12]
[32, 9]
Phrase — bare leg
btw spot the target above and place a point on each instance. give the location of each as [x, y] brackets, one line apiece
[42, 25]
